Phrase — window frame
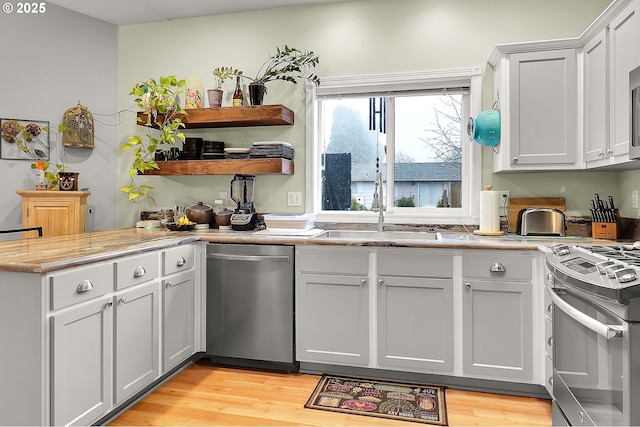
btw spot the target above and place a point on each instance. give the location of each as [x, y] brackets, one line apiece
[396, 82]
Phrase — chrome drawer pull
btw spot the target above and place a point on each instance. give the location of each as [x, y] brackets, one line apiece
[381, 282]
[139, 271]
[181, 261]
[496, 267]
[84, 286]
[123, 300]
[363, 282]
[108, 304]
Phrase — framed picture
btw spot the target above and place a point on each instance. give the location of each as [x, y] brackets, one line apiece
[24, 139]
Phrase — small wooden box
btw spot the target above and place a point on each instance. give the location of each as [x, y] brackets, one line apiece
[607, 230]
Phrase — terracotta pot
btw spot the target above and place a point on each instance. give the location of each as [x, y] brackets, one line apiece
[215, 98]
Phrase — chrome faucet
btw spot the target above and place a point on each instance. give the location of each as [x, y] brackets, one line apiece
[378, 200]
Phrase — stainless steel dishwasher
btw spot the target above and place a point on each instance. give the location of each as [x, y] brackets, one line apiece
[250, 306]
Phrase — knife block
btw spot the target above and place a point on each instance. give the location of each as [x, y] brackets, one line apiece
[607, 230]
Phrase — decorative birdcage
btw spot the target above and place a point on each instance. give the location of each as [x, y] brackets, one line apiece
[79, 127]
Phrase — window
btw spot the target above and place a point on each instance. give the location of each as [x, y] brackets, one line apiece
[411, 128]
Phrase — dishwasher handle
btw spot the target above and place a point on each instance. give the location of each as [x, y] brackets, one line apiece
[607, 331]
[254, 258]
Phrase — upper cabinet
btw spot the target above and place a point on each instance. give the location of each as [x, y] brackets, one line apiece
[565, 103]
[609, 56]
[537, 96]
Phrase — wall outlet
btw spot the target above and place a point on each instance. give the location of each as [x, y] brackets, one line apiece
[634, 199]
[504, 199]
[294, 198]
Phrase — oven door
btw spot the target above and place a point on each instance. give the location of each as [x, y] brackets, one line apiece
[587, 359]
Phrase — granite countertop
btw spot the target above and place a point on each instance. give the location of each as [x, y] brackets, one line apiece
[39, 255]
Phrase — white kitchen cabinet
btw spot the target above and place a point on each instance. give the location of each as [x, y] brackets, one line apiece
[415, 310]
[136, 339]
[537, 94]
[624, 56]
[608, 57]
[332, 305]
[596, 100]
[497, 311]
[81, 356]
[178, 318]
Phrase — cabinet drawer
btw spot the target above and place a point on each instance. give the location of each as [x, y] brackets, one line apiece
[415, 263]
[80, 284]
[336, 260]
[137, 269]
[176, 259]
[478, 264]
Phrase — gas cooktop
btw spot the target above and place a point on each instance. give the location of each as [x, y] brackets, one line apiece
[612, 272]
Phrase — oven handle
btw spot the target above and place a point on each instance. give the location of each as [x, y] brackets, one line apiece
[607, 331]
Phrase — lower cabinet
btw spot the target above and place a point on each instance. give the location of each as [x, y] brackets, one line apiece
[178, 318]
[107, 330]
[415, 310]
[136, 338]
[81, 356]
[465, 313]
[332, 305]
[497, 313]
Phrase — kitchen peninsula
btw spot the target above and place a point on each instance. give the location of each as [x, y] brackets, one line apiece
[83, 294]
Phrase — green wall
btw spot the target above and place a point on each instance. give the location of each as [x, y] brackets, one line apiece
[352, 38]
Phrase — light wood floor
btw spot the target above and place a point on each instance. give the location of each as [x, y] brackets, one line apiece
[204, 394]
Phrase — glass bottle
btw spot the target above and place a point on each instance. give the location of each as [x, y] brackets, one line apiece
[238, 98]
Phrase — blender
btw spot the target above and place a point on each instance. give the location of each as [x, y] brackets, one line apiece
[244, 216]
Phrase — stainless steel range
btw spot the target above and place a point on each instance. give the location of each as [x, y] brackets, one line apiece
[595, 292]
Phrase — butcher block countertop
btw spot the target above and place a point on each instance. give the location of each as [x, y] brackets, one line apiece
[41, 255]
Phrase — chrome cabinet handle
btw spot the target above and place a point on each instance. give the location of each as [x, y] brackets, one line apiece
[363, 282]
[550, 308]
[84, 286]
[496, 267]
[139, 271]
[550, 341]
[108, 304]
[122, 300]
[381, 282]
[467, 285]
[600, 153]
[181, 261]
[514, 160]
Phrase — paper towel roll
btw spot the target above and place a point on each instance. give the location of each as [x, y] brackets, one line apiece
[489, 211]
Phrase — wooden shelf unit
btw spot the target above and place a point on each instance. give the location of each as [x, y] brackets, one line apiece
[257, 115]
[269, 166]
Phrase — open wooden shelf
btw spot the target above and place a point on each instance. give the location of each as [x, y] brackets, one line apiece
[269, 166]
[258, 115]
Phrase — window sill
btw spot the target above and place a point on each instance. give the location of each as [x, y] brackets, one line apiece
[448, 217]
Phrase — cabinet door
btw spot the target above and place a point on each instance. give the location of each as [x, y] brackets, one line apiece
[332, 319]
[497, 329]
[178, 318]
[415, 323]
[624, 33]
[81, 363]
[542, 108]
[596, 101]
[137, 320]
[56, 216]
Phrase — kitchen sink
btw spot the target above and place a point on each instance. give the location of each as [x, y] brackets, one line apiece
[379, 235]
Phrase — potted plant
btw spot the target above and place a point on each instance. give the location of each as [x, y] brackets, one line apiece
[52, 177]
[221, 74]
[288, 64]
[158, 99]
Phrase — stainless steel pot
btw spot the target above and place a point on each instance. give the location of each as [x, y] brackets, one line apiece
[200, 213]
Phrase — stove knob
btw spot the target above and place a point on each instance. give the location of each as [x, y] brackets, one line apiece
[601, 266]
[611, 270]
[626, 275]
[562, 250]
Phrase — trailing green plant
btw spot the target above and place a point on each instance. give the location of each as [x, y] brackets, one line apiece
[225, 73]
[162, 129]
[288, 64]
